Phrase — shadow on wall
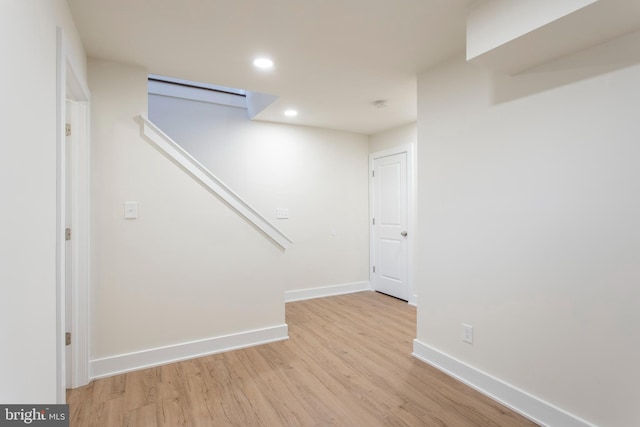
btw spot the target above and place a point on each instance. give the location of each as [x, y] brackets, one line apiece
[602, 59]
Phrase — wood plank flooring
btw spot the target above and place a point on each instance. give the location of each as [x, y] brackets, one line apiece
[347, 363]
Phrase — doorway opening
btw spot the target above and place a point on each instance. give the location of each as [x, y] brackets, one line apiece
[72, 224]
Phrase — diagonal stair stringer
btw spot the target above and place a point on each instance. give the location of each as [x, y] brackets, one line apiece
[161, 141]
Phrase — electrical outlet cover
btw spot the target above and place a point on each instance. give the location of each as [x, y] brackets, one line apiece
[467, 333]
[282, 213]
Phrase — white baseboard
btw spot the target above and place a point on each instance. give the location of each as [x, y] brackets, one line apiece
[518, 400]
[413, 300]
[326, 291]
[128, 362]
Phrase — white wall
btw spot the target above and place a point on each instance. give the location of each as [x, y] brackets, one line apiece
[189, 268]
[496, 22]
[402, 135]
[319, 175]
[28, 192]
[529, 232]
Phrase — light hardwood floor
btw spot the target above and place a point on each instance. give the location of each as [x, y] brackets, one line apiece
[347, 363]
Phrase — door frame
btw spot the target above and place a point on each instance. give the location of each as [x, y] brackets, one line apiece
[70, 86]
[409, 149]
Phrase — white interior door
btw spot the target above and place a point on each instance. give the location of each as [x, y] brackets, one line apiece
[390, 223]
[72, 208]
[68, 176]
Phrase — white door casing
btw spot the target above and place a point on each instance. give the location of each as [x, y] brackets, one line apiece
[390, 201]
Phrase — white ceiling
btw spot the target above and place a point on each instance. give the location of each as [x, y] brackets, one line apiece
[333, 58]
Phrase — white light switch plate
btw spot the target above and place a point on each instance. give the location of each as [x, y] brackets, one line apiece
[131, 210]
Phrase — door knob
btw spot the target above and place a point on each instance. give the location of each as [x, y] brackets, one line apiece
[403, 234]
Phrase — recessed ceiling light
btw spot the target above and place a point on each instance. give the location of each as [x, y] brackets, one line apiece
[290, 113]
[263, 63]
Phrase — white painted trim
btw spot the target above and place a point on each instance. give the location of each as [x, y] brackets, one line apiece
[128, 362]
[201, 174]
[61, 71]
[413, 300]
[326, 291]
[520, 401]
[410, 149]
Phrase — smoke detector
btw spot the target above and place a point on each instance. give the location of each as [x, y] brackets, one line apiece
[380, 103]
